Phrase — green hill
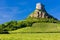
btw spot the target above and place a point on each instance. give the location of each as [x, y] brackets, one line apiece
[39, 27]
[31, 25]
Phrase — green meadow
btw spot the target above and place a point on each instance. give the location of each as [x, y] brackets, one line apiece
[26, 33]
[30, 36]
[33, 33]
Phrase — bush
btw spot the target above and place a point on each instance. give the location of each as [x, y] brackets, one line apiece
[4, 32]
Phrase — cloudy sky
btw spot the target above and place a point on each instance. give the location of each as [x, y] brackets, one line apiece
[20, 9]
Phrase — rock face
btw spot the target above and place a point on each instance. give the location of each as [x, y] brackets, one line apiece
[40, 12]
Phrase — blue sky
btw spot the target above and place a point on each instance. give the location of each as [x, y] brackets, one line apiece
[20, 9]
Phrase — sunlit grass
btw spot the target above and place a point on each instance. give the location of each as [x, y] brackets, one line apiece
[33, 36]
[37, 27]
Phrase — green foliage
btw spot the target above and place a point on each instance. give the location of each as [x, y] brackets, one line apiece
[39, 28]
[3, 30]
[43, 20]
[14, 25]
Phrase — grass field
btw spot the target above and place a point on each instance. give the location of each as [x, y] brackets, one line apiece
[25, 33]
[31, 36]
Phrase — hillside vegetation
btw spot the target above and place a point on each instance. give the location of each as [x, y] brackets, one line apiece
[31, 24]
[39, 27]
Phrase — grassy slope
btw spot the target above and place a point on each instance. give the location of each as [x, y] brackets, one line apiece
[40, 27]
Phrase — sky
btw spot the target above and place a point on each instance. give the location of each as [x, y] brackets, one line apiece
[20, 9]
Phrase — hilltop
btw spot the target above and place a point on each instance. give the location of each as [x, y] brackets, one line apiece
[38, 21]
[40, 12]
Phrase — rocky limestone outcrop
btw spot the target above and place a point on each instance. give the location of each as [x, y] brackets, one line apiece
[40, 12]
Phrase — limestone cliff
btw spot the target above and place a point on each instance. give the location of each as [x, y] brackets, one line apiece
[40, 12]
